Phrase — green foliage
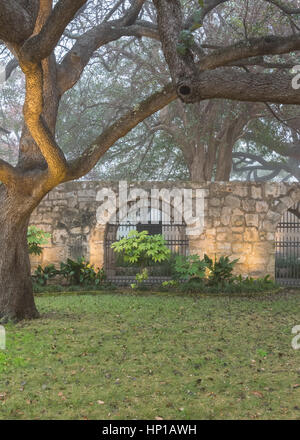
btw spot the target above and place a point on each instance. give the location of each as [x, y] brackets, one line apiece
[171, 283]
[143, 276]
[220, 270]
[208, 276]
[141, 248]
[197, 20]
[236, 285]
[80, 272]
[186, 41]
[190, 348]
[261, 352]
[76, 272]
[42, 275]
[189, 268]
[36, 238]
[140, 278]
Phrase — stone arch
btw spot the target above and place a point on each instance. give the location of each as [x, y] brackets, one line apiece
[112, 227]
[287, 243]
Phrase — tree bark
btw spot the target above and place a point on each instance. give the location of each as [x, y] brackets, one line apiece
[16, 293]
[224, 162]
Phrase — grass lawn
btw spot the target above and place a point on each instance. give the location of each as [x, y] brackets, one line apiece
[113, 356]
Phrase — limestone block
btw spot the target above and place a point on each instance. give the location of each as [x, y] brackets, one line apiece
[232, 202]
[256, 192]
[251, 235]
[251, 220]
[215, 202]
[239, 190]
[248, 205]
[238, 220]
[262, 206]
[226, 214]
[243, 248]
[60, 236]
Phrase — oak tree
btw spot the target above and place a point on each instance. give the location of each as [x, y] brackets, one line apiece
[32, 30]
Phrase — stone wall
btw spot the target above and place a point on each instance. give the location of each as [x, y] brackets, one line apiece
[240, 221]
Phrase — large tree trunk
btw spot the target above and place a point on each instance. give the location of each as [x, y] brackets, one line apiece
[196, 167]
[224, 163]
[16, 294]
[16, 207]
[200, 163]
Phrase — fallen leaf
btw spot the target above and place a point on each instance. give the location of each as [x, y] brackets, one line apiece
[257, 394]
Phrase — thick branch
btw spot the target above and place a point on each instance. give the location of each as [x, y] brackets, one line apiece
[33, 109]
[16, 24]
[284, 7]
[40, 46]
[170, 25]
[267, 45]
[240, 86]
[133, 12]
[10, 67]
[73, 64]
[8, 174]
[209, 6]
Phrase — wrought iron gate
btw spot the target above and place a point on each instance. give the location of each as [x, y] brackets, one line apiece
[287, 243]
[121, 273]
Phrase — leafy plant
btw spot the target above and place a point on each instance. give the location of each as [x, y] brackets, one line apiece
[170, 284]
[140, 278]
[236, 285]
[43, 274]
[81, 272]
[189, 267]
[141, 248]
[35, 239]
[261, 352]
[220, 270]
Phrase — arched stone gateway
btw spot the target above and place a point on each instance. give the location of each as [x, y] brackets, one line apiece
[287, 247]
[156, 221]
[239, 219]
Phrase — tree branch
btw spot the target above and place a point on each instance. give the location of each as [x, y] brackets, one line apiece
[283, 7]
[240, 86]
[267, 45]
[33, 108]
[40, 46]
[8, 173]
[16, 24]
[10, 67]
[73, 64]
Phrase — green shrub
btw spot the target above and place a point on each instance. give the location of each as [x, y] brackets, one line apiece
[80, 272]
[189, 268]
[35, 239]
[235, 285]
[220, 271]
[42, 275]
[142, 249]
